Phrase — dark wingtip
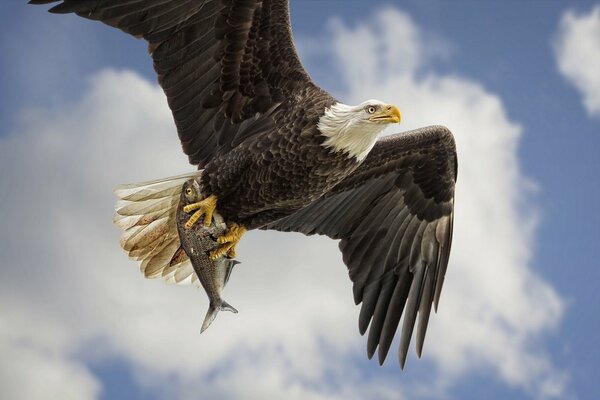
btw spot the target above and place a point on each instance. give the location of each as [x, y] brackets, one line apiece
[402, 359]
[362, 326]
[370, 352]
[421, 332]
[382, 353]
[423, 321]
[357, 293]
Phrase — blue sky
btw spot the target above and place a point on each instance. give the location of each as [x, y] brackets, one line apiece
[497, 73]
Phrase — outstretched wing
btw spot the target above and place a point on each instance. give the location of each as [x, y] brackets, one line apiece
[394, 218]
[225, 65]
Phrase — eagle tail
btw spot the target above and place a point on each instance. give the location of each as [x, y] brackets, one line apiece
[147, 214]
[212, 312]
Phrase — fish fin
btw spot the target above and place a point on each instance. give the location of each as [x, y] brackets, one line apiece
[147, 213]
[232, 263]
[212, 312]
[210, 317]
[227, 307]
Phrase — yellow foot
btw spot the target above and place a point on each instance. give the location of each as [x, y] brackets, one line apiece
[228, 241]
[205, 207]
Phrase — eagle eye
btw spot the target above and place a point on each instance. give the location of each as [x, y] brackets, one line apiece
[189, 191]
[371, 109]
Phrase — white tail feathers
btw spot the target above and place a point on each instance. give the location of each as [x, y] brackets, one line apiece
[147, 213]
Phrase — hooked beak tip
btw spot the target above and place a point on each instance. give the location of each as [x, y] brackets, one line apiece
[395, 115]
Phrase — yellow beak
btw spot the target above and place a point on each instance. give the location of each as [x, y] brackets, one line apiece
[389, 114]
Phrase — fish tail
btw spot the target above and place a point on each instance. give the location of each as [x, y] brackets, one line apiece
[212, 312]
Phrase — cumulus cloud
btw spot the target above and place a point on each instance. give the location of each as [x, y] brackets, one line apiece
[34, 370]
[296, 334]
[577, 52]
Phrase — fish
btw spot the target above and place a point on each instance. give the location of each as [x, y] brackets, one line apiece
[197, 241]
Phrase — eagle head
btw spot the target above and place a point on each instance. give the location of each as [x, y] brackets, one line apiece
[354, 129]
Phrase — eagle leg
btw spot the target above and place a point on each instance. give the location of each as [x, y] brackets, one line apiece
[204, 207]
[228, 241]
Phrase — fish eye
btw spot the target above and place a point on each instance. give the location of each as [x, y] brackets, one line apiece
[371, 109]
[189, 191]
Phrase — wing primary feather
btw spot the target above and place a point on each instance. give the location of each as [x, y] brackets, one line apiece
[394, 313]
[379, 314]
[430, 251]
[367, 307]
[366, 311]
[425, 309]
[382, 258]
[411, 313]
[446, 239]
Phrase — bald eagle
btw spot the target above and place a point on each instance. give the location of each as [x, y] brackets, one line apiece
[275, 151]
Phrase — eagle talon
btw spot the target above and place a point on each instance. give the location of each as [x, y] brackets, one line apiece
[224, 249]
[228, 242]
[205, 207]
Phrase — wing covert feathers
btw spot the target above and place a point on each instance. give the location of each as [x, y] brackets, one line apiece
[394, 218]
[147, 214]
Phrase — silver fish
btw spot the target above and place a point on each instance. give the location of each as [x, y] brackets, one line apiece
[197, 242]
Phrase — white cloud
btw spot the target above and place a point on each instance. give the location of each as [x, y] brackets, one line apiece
[577, 52]
[31, 369]
[296, 334]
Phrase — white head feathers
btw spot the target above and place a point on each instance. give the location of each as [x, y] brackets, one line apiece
[354, 129]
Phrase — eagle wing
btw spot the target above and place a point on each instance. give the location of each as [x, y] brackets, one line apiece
[225, 65]
[394, 217]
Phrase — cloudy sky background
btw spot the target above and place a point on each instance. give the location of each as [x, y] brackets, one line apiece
[517, 83]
